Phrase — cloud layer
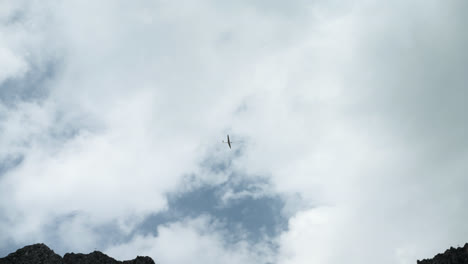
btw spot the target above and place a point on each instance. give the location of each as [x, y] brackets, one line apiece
[351, 114]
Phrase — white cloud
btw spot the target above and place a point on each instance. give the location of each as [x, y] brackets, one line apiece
[191, 240]
[356, 108]
[12, 65]
[311, 237]
[103, 142]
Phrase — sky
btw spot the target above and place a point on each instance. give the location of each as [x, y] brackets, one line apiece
[348, 122]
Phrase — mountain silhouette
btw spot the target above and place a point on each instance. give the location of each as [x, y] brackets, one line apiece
[450, 256]
[42, 254]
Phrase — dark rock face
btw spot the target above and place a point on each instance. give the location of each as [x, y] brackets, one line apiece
[37, 253]
[450, 256]
[41, 254]
[97, 257]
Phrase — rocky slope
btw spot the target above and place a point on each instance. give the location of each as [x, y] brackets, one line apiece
[41, 254]
[450, 256]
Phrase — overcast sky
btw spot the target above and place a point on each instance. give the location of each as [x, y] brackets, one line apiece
[348, 121]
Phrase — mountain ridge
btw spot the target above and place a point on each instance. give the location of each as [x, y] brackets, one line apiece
[452, 255]
[42, 254]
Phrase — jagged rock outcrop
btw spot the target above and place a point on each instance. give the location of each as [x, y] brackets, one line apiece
[33, 254]
[41, 254]
[97, 257]
[450, 256]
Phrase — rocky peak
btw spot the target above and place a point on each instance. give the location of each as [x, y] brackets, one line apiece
[41, 254]
[33, 254]
[450, 256]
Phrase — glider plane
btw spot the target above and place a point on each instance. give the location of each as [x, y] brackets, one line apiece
[228, 141]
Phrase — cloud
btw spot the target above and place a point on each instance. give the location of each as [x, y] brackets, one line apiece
[353, 113]
[102, 143]
[198, 239]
